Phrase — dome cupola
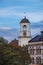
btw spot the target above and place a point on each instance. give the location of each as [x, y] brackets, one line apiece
[25, 20]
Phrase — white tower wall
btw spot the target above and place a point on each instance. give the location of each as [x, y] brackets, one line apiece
[23, 39]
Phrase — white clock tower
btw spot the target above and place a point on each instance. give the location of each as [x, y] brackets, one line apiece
[25, 34]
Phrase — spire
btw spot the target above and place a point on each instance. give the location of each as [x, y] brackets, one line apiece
[25, 17]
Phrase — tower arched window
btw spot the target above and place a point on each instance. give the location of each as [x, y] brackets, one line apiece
[24, 27]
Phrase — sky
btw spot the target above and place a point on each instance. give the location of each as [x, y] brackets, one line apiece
[13, 11]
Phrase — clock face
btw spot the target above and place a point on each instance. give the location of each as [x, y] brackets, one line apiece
[24, 33]
[24, 27]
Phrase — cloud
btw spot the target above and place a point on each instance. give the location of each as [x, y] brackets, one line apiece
[8, 33]
[16, 8]
[12, 33]
[36, 28]
[12, 12]
[5, 28]
[35, 31]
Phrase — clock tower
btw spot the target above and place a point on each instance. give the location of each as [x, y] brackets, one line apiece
[25, 34]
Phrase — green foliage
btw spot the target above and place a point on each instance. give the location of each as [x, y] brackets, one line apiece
[2, 40]
[11, 55]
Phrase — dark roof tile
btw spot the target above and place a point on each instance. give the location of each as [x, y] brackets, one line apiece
[38, 38]
[25, 20]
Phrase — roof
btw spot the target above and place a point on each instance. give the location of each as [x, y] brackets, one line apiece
[25, 20]
[14, 42]
[37, 38]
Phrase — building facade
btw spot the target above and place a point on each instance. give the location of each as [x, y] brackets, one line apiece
[25, 34]
[34, 45]
[35, 49]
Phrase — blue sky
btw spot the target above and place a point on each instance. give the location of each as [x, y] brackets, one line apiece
[12, 11]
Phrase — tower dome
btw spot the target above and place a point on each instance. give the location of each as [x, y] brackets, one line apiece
[25, 20]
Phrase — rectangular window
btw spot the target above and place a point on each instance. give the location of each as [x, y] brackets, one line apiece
[38, 50]
[32, 60]
[32, 51]
[38, 60]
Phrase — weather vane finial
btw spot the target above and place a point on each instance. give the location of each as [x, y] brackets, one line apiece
[25, 15]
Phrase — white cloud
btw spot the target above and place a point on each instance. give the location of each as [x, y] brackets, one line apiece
[11, 12]
[5, 28]
[35, 17]
[9, 38]
[35, 31]
[8, 33]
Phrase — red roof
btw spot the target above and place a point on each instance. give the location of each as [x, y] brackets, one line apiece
[14, 42]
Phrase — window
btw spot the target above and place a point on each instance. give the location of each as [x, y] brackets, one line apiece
[24, 33]
[32, 50]
[32, 60]
[38, 50]
[24, 27]
[37, 47]
[38, 60]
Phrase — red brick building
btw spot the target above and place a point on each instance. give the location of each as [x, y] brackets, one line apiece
[14, 42]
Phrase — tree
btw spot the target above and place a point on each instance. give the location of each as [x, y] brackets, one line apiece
[11, 55]
[3, 40]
